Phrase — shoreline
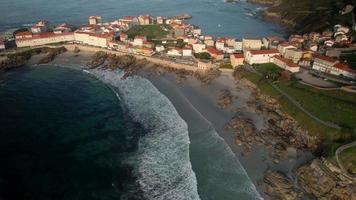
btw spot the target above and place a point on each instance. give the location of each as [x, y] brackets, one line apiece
[203, 98]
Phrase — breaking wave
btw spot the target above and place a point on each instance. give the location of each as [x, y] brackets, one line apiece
[162, 163]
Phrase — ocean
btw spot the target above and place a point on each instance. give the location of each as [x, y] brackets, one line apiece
[68, 134]
[215, 17]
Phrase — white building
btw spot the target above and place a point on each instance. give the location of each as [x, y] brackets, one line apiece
[159, 48]
[251, 44]
[139, 40]
[285, 64]
[284, 46]
[174, 52]
[187, 52]
[260, 56]
[94, 39]
[199, 48]
[94, 20]
[43, 39]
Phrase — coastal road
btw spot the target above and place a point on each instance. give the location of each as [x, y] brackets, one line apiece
[337, 156]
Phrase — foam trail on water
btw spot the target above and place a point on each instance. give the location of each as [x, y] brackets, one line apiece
[163, 165]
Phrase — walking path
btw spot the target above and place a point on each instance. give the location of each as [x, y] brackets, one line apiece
[298, 105]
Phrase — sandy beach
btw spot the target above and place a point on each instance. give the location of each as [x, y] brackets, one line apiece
[197, 105]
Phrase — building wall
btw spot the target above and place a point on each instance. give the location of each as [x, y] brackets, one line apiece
[258, 58]
[46, 40]
[91, 40]
[251, 44]
[236, 61]
[293, 54]
[199, 48]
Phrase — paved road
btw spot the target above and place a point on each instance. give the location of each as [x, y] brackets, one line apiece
[337, 156]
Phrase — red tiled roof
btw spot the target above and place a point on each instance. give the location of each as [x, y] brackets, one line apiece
[267, 51]
[238, 55]
[288, 62]
[325, 58]
[212, 50]
[344, 67]
[25, 33]
[128, 17]
[46, 35]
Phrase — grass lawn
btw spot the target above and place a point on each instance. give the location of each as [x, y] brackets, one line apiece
[348, 159]
[226, 66]
[154, 31]
[335, 106]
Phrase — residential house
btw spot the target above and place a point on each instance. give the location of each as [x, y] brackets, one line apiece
[284, 46]
[174, 52]
[179, 31]
[145, 19]
[286, 64]
[94, 20]
[199, 48]
[40, 27]
[138, 40]
[220, 44]
[313, 47]
[62, 28]
[160, 20]
[197, 31]
[296, 38]
[208, 40]
[159, 48]
[94, 39]
[323, 63]
[187, 51]
[238, 45]
[251, 44]
[293, 54]
[313, 36]
[124, 37]
[272, 42]
[214, 53]
[260, 56]
[230, 42]
[205, 65]
[237, 59]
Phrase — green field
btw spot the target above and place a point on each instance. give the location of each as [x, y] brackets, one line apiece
[335, 106]
[154, 31]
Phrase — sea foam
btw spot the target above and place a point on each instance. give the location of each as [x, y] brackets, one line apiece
[163, 165]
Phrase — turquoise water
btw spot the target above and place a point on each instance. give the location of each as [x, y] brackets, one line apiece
[64, 135]
[216, 17]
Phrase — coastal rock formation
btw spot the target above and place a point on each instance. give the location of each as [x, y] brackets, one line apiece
[278, 186]
[21, 58]
[281, 128]
[225, 98]
[317, 179]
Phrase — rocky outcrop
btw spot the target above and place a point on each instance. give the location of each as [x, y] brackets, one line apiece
[278, 186]
[225, 98]
[319, 180]
[21, 58]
